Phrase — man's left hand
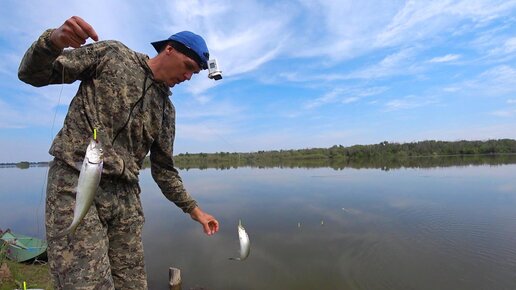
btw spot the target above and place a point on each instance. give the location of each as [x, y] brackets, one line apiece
[208, 222]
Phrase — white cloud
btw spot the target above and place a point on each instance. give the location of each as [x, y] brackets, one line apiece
[402, 62]
[294, 139]
[501, 49]
[10, 118]
[340, 30]
[327, 98]
[344, 96]
[237, 33]
[409, 102]
[510, 45]
[497, 81]
[199, 84]
[203, 99]
[504, 113]
[209, 136]
[419, 20]
[399, 63]
[204, 131]
[445, 58]
[475, 131]
[194, 110]
[413, 21]
[191, 10]
[344, 50]
[350, 100]
[35, 106]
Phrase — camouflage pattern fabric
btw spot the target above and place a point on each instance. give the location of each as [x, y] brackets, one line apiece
[106, 251]
[119, 97]
[133, 115]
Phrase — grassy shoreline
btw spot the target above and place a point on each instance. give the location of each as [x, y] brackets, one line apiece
[36, 276]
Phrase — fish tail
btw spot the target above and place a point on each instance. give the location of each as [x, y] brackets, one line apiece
[70, 236]
[68, 233]
[65, 232]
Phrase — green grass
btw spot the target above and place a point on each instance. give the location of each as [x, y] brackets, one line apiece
[35, 275]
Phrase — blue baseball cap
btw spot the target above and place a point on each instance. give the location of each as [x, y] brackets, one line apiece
[188, 43]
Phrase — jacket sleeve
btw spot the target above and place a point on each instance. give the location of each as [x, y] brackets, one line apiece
[162, 164]
[44, 64]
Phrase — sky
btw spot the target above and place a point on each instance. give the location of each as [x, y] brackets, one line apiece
[296, 74]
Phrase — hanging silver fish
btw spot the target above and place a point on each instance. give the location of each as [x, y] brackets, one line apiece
[245, 244]
[89, 179]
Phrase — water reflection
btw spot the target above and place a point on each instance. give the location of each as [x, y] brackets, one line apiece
[450, 228]
[22, 204]
[386, 163]
[436, 228]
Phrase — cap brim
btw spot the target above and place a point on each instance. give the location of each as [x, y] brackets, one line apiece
[158, 45]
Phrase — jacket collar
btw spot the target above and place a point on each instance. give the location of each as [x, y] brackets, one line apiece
[142, 59]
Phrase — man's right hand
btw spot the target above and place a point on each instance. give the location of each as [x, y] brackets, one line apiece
[73, 32]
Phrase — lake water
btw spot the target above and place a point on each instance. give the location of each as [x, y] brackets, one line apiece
[437, 228]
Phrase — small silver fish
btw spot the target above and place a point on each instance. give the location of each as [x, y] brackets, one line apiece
[245, 244]
[89, 179]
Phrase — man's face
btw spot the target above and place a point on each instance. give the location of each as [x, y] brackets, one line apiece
[178, 67]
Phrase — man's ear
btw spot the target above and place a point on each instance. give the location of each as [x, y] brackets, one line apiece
[167, 49]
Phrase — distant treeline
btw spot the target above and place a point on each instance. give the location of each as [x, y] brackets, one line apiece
[384, 155]
[23, 164]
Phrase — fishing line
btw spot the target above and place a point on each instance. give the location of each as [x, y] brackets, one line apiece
[57, 106]
[45, 180]
[224, 140]
[230, 145]
[38, 209]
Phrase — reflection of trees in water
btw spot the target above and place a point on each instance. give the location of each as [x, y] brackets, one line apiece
[366, 163]
[23, 165]
[384, 155]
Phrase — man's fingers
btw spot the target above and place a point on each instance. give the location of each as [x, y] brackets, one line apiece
[213, 227]
[85, 28]
[74, 42]
[76, 39]
[78, 31]
[207, 229]
[74, 32]
[209, 224]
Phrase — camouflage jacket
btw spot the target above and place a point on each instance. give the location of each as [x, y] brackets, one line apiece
[119, 97]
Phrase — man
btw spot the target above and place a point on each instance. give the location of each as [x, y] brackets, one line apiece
[125, 96]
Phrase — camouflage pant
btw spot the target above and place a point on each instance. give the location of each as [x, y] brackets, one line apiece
[106, 251]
